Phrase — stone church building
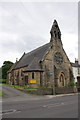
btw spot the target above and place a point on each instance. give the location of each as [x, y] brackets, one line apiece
[47, 65]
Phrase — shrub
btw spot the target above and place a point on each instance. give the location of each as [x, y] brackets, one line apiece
[71, 84]
[2, 80]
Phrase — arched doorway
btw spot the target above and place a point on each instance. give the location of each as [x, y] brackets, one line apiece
[61, 79]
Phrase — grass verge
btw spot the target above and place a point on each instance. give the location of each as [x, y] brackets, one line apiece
[2, 94]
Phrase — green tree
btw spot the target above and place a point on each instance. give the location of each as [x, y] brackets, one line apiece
[6, 66]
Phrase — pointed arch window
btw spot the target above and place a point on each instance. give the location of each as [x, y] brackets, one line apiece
[32, 75]
[59, 36]
[61, 78]
[55, 35]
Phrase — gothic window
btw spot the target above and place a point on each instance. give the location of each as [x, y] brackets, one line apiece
[32, 75]
[59, 35]
[21, 73]
[56, 26]
[61, 78]
[58, 58]
[55, 34]
[17, 74]
[26, 79]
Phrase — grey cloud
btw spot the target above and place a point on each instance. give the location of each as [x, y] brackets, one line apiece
[23, 44]
[79, 31]
[28, 24]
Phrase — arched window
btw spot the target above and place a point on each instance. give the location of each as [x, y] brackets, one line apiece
[59, 36]
[32, 75]
[61, 78]
[55, 34]
[26, 79]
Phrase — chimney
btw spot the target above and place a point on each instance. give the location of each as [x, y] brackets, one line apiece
[16, 59]
[76, 61]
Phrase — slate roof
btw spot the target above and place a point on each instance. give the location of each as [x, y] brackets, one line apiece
[12, 67]
[75, 65]
[33, 58]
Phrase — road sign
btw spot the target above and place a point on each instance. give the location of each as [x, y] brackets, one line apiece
[51, 73]
[32, 81]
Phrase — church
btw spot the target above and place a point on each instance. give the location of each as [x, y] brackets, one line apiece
[46, 66]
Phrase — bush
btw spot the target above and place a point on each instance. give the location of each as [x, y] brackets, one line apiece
[2, 80]
[71, 84]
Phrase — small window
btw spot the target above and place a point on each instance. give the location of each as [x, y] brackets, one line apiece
[21, 73]
[61, 78]
[26, 79]
[55, 34]
[33, 75]
[59, 36]
[56, 26]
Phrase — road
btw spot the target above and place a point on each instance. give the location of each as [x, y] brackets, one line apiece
[21, 105]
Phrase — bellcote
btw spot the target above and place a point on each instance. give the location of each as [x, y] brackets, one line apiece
[55, 31]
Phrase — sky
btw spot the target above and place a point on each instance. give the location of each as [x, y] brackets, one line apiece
[79, 32]
[24, 26]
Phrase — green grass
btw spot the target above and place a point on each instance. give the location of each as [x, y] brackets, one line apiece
[31, 88]
[10, 85]
[2, 94]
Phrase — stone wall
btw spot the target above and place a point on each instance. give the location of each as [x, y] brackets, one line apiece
[36, 78]
[49, 91]
[51, 66]
[16, 76]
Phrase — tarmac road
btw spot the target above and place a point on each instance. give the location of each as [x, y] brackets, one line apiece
[13, 94]
[21, 105]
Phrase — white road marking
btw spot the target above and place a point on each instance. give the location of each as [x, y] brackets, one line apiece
[57, 104]
[10, 111]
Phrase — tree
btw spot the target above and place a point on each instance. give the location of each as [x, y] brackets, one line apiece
[6, 66]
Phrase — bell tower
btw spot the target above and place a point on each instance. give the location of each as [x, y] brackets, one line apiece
[55, 34]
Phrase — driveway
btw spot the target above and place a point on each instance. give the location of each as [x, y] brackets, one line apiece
[12, 94]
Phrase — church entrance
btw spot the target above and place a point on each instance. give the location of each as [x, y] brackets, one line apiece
[61, 80]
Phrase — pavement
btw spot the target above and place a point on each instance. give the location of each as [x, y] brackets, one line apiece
[61, 95]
